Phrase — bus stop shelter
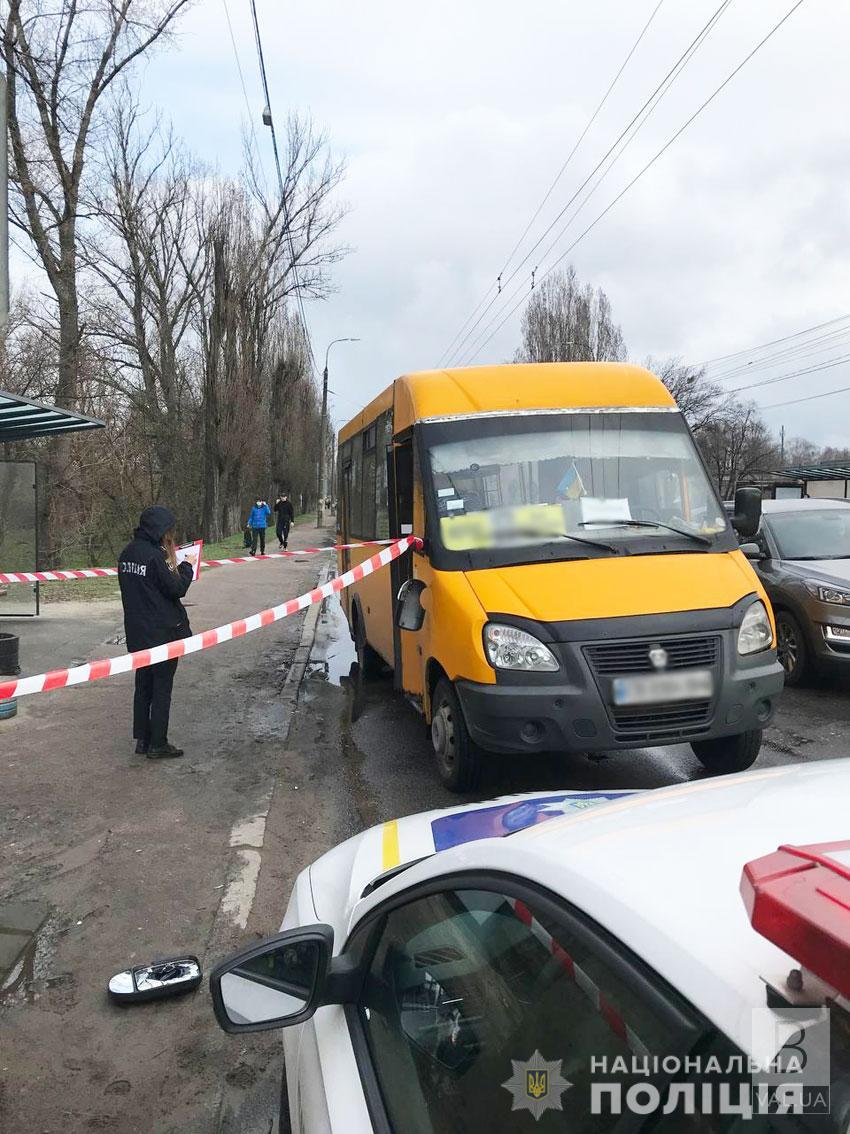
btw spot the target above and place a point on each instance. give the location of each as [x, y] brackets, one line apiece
[22, 419]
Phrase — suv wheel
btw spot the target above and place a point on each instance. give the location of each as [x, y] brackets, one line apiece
[458, 757]
[728, 753]
[791, 648]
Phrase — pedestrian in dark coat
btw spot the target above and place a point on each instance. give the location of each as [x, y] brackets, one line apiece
[285, 515]
[152, 585]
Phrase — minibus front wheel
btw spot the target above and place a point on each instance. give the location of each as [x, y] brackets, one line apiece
[458, 756]
[728, 753]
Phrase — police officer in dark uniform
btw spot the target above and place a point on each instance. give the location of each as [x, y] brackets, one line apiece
[152, 585]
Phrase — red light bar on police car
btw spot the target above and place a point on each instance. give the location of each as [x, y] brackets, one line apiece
[799, 898]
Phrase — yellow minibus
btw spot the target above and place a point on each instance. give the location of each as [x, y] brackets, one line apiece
[579, 587]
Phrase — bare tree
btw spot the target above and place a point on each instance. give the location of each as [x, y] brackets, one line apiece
[737, 446]
[149, 256]
[261, 251]
[565, 322]
[60, 60]
[697, 398]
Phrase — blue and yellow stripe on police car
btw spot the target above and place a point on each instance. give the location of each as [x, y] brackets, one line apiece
[390, 855]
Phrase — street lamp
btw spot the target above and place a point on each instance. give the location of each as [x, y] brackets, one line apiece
[320, 471]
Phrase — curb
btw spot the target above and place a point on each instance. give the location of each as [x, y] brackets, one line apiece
[243, 871]
[298, 666]
[248, 835]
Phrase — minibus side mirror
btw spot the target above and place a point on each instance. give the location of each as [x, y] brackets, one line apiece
[409, 611]
[753, 551]
[747, 515]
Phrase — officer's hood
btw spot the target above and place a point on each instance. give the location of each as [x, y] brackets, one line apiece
[154, 522]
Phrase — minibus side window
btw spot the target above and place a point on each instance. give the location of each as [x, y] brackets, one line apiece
[356, 486]
[344, 490]
[384, 442]
[367, 513]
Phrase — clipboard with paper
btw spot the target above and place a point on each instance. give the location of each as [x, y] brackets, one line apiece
[191, 553]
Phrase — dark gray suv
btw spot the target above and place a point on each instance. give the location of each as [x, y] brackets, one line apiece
[802, 556]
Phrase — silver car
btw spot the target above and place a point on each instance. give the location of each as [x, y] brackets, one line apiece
[802, 556]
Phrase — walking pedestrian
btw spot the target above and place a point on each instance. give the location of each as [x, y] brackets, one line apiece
[285, 516]
[258, 521]
[152, 585]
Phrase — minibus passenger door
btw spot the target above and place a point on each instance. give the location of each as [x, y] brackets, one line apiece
[343, 527]
[400, 481]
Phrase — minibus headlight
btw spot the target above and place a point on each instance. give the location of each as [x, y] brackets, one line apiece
[509, 648]
[756, 632]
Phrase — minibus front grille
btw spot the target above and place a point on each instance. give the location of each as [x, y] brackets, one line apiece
[661, 721]
[633, 656]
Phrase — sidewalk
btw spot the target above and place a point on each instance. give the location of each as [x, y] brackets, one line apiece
[131, 859]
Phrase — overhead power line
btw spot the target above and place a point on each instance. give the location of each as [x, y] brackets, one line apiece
[796, 353]
[241, 74]
[774, 342]
[268, 104]
[558, 176]
[816, 369]
[619, 149]
[807, 398]
[649, 164]
[650, 102]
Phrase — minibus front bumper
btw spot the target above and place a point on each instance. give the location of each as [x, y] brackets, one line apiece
[574, 710]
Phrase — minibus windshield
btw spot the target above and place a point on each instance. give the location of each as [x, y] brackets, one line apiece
[598, 482]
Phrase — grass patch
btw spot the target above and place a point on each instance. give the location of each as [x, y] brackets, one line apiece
[80, 590]
[104, 590]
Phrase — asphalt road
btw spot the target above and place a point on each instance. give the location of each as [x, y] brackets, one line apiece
[387, 756]
[135, 860]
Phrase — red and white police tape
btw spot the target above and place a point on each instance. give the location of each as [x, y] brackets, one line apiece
[105, 572]
[576, 973]
[108, 667]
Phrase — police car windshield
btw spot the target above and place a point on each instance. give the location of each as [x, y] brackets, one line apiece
[613, 476]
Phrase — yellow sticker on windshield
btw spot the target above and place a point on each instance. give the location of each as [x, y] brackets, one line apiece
[538, 519]
[463, 533]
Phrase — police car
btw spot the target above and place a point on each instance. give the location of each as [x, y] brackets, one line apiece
[671, 960]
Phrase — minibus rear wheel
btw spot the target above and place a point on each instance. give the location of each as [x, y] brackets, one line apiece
[728, 753]
[370, 661]
[458, 756]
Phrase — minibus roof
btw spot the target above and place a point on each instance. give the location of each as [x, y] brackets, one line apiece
[513, 387]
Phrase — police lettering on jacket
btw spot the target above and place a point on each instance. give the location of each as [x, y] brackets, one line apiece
[133, 568]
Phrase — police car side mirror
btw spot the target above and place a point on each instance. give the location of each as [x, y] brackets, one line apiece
[409, 611]
[276, 984]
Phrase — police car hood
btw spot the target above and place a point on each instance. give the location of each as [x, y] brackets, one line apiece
[339, 879]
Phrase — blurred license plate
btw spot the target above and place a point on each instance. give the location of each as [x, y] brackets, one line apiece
[658, 688]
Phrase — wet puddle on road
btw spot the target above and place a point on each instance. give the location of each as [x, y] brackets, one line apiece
[333, 656]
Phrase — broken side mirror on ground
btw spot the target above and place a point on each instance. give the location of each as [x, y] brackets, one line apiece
[278, 983]
[172, 976]
[747, 514]
[409, 611]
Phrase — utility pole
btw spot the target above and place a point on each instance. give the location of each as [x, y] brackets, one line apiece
[320, 467]
[4, 217]
[782, 444]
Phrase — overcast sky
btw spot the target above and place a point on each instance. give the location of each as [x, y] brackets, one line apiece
[454, 117]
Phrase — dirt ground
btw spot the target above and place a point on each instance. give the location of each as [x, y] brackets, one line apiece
[137, 859]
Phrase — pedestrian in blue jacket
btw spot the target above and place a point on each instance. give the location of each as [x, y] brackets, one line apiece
[258, 522]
